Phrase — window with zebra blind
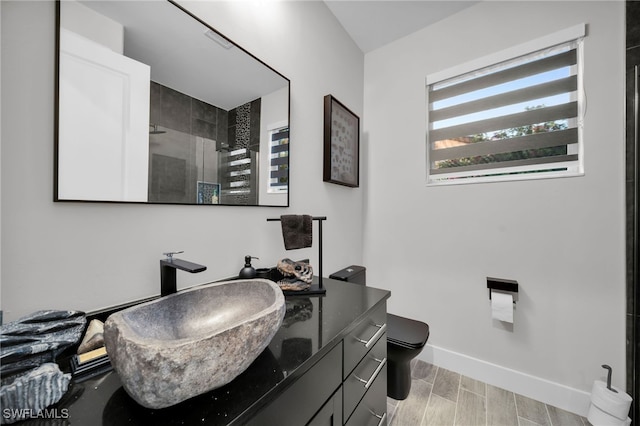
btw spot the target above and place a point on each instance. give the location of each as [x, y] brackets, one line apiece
[279, 160]
[515, 115]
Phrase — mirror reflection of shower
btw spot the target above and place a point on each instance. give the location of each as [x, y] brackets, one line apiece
[185, 168]
[204, 155]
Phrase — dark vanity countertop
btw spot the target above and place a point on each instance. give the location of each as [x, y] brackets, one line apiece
[311, 327]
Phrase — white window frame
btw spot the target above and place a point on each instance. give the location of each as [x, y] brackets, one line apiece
[575, 33]
[273, 187]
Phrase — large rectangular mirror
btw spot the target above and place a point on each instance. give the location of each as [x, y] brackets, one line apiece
[155, 106]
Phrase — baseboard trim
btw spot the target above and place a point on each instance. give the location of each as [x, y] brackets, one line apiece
[561, 396]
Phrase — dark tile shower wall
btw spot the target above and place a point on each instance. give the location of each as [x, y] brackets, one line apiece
[174, 179]
[173, 109]
[631, 181]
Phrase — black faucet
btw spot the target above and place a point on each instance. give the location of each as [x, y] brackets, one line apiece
[168, 268]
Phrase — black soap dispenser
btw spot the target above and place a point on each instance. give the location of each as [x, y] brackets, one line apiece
[248, 271]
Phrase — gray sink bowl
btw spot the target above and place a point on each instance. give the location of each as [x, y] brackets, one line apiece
[179, 346]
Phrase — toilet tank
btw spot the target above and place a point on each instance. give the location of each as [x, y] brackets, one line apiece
[353, 274]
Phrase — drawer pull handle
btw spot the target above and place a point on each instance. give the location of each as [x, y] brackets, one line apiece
[382, 417]
[367, 383]
[374, 338]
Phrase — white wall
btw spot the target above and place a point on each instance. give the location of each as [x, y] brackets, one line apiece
[561, 239]
[88, 23]
[273, 115]
[91, 255]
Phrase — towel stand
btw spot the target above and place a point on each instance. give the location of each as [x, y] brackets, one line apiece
[320, 219]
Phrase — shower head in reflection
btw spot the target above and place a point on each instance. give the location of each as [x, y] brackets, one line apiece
[154, 130]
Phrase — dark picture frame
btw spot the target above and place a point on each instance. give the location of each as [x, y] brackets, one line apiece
[341, 144]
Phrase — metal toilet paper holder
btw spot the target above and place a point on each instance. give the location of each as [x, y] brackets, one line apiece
[503, 285]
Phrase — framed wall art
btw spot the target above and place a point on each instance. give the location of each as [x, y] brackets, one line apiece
[341, 144]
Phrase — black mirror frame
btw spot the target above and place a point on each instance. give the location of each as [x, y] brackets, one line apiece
[57, 117]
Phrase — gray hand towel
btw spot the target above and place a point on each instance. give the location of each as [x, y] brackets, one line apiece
[297, 231]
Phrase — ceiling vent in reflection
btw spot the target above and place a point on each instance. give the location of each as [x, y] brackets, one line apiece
[218, 39]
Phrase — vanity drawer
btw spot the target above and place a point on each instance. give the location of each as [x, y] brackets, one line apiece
[371, 370]
[298, 404]
[372, 410]
[363, 338]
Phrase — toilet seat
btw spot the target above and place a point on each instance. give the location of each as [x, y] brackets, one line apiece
[405, 332]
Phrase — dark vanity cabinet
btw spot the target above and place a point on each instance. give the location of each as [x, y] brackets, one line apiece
[317, 391]
[326, 366]
[347, 386]
[365, 371]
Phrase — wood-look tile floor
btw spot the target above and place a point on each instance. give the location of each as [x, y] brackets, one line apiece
[441, 397]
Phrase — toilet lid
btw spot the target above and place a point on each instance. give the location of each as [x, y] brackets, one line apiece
[406, 332]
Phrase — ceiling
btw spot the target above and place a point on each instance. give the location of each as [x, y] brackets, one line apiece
[374, 23]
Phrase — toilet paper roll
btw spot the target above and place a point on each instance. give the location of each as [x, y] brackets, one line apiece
[615, 404]
[502, 306]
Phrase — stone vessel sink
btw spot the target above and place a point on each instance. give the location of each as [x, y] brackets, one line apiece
[185, 344]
